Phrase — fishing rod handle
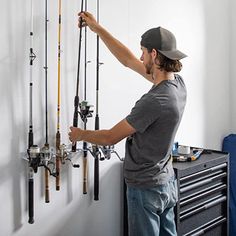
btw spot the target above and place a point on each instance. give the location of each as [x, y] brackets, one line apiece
[97, 122]
[96, 165]
[96, 178]
[75, 118]
[31, 196]
[85, 170]
[30, 139]
[74, 147]
[85, 179]
[46, 157]
[58, 141]
[34, 159]
[47, 200]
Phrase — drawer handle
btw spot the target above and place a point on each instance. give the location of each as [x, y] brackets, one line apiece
[198, 195]
[201, 183]
[206, 227]
[199, 178]
[214, 168]
[200, 207]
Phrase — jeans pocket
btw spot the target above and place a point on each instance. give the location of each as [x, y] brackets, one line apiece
[173, 193]
[156, 199]
[159, 198]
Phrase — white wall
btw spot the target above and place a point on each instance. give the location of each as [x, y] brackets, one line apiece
[232, 65]
[204, 31]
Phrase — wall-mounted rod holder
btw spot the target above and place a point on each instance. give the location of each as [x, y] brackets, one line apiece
[103, 152]
[108, 150]
[47, 157]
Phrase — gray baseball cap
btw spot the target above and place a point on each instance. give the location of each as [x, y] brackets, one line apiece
[163, 41]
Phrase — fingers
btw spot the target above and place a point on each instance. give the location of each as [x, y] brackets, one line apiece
[71, 134]
[82, 23]
[74, 134]
[72, 140]
[85, 19]
[84, 14]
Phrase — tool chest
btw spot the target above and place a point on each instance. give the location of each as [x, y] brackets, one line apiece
[203, 193]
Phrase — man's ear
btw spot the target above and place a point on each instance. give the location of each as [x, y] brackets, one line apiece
[154, 54]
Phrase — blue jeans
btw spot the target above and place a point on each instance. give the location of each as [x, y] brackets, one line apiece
[151, 210]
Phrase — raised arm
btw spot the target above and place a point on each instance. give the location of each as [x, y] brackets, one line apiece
[119, 50]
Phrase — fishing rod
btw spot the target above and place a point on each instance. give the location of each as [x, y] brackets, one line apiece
[76, 99]
[96, 151]
[31, 149]
[85, 152]
[61, 153]
[58, 135]
[85, 112]
[105, 150]
[45, 149]
[82, 108]
[36, 157]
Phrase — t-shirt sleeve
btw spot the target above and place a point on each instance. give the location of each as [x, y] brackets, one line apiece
[144, 113]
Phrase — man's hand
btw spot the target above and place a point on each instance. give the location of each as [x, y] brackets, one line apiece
[88, 20]
[75, 134]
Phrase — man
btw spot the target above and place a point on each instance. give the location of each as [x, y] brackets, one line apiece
[150, 129]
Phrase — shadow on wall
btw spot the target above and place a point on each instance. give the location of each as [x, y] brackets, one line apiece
[216, 78]
[11, 89]
[101, 222]
[13, 170]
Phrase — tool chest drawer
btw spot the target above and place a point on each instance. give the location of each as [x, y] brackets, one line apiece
[203, 193]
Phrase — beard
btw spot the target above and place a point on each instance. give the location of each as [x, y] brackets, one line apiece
[148, 67]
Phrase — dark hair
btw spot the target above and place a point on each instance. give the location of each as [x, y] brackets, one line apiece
[167, 64]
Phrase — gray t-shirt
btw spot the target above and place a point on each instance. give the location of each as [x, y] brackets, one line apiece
[155, 117]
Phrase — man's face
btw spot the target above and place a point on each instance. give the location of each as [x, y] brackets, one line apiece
[147, 60]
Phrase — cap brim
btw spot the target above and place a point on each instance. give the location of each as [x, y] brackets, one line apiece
[173, 55]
